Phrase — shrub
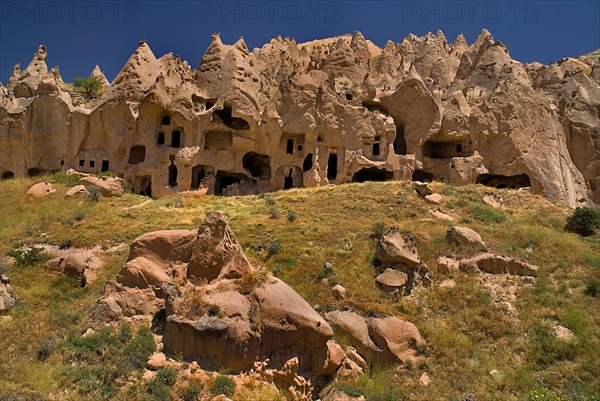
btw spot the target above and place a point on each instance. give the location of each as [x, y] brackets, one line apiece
[27, 257]
[192, 391]
[273, 247]
[378, 230]
[79, 215]
[44, 350]
[223, 385]
[584, 221]
[89, 87]
[68, 243]
[66, 179]
[592, 288]
[167, 376]
[273, 212]
[324, 271]
[292, 216]
[270, 201]
[94, 191]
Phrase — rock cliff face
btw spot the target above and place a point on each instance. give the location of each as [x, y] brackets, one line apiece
[328, 111]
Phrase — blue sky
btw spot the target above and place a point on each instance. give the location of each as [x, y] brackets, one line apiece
[81, 34]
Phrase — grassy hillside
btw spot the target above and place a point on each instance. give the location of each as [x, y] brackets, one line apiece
[293, 233]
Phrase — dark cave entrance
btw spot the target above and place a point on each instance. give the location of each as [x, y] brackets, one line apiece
[372, 174]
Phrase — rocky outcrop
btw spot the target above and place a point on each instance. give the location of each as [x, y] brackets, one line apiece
[495, 264]
[397, 252]
[380, 340]
[218, 309]
[328, 111]
[7, 299]
[108, 186]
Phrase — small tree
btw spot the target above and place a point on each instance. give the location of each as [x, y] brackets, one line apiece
[584, 221]
[89, 87]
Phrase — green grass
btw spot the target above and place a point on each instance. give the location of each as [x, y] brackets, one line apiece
[467, 335]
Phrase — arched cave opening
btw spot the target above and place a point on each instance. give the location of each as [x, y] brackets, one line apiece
[308, 163]
[288, 182]
[422, 175]
[372, 174]
[35, 172]
[258, 165]
[137, 154]
[166, 120]
[7, 175]
[503, 182]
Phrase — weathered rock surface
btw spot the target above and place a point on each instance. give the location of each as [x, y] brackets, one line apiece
[40, 190]
[7, 300]
[396, 248]
[495, 264]
[392, 280]
[396, 251]
[464, 236]
[381, 341]
[309, 114]
[108, 186]
[218, 309]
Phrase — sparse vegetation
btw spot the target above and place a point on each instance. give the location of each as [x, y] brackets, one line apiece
[94, 192]
[28, 256]
[466, 332]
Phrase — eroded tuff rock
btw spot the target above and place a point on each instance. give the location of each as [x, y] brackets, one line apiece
[327, 111]
[7, 299]
[218, 309]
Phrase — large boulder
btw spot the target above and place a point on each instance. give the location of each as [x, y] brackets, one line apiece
[40, 190]
[382, 341]
[391, 280]
[108, 186]
[395, 247]
[464, 236]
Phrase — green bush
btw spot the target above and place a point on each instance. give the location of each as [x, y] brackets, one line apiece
[273, 212]
[94, 191]
[584, 221]
[223, 385]
[192, 391]
[28, 257]
[292, 216]
[89, 87]
[378, 230]
[273, 247]
[592, 288]
[66, 179]
[167, 376]
[44, 350]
